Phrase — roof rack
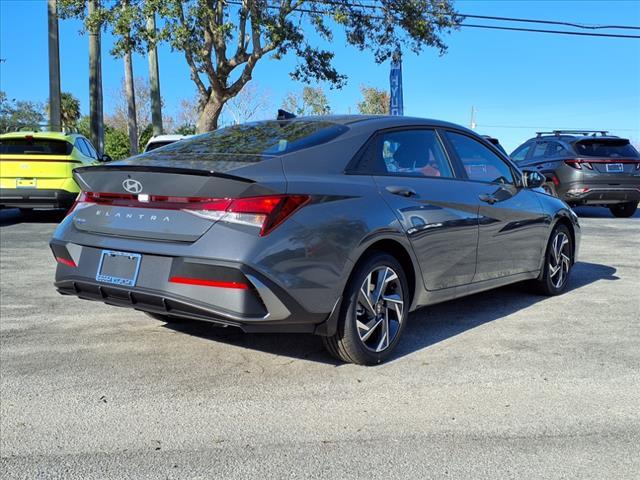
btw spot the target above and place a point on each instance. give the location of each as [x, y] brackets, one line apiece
[38, 127]
[557, 133]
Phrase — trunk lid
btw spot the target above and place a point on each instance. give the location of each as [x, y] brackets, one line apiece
[150, 200]
[41, 166]
[613, 166]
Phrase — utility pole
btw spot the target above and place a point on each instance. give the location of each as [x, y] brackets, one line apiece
[154, 78]
[55, 123]
[472, 123]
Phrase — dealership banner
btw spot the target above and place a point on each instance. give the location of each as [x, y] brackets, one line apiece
[395, 86]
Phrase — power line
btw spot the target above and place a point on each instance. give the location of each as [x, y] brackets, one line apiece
[557, 32]
[552, 128]
[488, 17]
[469, 25]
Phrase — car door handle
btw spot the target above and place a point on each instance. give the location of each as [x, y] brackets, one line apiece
[490, 199]
[402, 191]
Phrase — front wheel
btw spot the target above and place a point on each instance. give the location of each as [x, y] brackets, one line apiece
[624, 210]
[374, 312]
[557, 263]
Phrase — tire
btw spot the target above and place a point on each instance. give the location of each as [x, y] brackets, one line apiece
[559, 252]
[624, 210]
[363, 335]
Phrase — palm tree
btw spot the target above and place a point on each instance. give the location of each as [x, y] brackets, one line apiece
[95, 80]
[154, 77]
[54, 67]
[69, 110]
[132, 121]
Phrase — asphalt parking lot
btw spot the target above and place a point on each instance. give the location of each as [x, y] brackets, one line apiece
[504, 384]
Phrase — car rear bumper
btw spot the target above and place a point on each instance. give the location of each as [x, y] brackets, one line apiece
[36, 198]
[597, 194]
[261, 307]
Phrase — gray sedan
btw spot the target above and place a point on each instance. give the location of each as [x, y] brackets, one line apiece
[337, 226]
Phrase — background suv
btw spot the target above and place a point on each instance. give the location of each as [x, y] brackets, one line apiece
[585, 168]
[36, 168]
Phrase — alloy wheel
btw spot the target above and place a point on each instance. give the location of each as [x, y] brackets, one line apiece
[379, 308]
[559, 259]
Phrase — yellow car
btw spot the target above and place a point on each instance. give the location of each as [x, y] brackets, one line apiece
[35, 168]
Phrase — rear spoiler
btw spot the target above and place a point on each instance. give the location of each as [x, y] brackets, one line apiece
[158, 169]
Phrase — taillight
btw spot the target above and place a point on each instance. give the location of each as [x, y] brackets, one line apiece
[578, 164]
[265, 213]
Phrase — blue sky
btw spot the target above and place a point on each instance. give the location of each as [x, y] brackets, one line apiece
[518, 82]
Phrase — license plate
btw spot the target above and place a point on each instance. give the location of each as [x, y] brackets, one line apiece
[615, 167]
[118, 268]
[26, 183]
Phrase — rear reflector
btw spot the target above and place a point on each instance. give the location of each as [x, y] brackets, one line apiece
[208, 283]
[66, 261]
[265, 213]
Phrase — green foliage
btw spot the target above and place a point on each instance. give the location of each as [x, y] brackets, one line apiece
[23, 113]
[145, 135]
[313, 101]
[186, 129]
[84, 126]
[222, 41]
[69, 110]
[116, 143]
[375, 101]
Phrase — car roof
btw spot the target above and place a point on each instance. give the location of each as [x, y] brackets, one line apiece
[168, 138]
[69, 137]
[377, 121]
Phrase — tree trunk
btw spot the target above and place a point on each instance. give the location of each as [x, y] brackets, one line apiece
[95, 84]
[132, 122]
[55, 122]
[210, 114]
[154, 81]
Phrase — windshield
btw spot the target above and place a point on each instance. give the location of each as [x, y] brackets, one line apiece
[259, 138]
[605, 148]
[34, 146]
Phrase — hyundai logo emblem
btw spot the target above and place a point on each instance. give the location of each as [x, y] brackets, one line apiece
[132, 186]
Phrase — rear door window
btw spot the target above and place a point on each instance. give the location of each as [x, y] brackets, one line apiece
[539, 150]
[416, 153]
[80, 145]
[34, 146]
[479, 162]
[520, 154]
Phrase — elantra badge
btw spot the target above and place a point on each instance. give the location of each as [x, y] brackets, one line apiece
[132, 186]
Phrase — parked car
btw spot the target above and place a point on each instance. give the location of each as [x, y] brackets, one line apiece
[585, 168]
[37, 168]
[158, 141]
[338, 226]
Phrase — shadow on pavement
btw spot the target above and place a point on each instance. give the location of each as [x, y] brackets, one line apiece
[598, 212]
[426, 326]
[13, 216]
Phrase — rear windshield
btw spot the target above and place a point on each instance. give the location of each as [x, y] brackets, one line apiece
[256, 139]
[605, 148]
[34, 146]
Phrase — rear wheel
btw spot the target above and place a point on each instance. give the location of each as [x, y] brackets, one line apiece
[373, 313]
[558, 262]
[624, 210]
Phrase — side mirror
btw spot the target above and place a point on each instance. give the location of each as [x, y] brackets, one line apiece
[533, 179]
[105, 158]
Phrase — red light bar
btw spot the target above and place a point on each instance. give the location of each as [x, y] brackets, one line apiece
[66, 261]
[208, 283]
